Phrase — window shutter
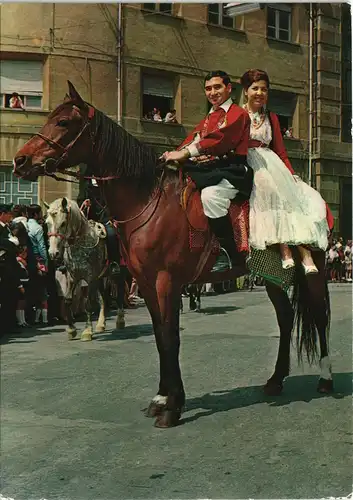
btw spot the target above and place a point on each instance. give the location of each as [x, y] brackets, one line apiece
[282, 103]
[24, 77]
[158, 86]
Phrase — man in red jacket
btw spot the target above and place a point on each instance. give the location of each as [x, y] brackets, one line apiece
[224, 130]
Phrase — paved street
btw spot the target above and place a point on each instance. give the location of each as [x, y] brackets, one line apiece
[72, 426]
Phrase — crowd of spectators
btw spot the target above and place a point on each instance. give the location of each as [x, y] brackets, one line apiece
[156, 116]
[339, 261]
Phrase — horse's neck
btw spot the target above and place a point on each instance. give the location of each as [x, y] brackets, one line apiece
[125, 200]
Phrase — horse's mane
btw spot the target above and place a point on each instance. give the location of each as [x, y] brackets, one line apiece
[122, 154]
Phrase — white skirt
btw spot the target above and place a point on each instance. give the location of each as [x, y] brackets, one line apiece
[283, 208]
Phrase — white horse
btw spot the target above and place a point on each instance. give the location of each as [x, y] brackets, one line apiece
[80, 244]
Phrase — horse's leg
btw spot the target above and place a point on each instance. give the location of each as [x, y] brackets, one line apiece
[285, 318]
[87, 333]
[168, 293]
[192, 298]
[71, 328]
[163, 306]
[120, 286]
[159, 401]
[100, 327]
[198, 298]
[320, 309]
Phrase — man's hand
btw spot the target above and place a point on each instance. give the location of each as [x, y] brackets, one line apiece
[181, 155]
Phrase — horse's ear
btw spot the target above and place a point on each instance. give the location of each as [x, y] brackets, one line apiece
[64, 204]
[45, 204]
[73, 94]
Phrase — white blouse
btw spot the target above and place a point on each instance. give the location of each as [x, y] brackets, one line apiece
[263, 133]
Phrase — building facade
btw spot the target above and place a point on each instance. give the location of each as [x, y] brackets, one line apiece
[127, 59]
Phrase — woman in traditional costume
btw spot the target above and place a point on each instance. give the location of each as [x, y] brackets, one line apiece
[284, 210]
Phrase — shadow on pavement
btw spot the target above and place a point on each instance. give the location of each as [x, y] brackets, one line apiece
[130, 332]
[21, 336]
[210, 311]
[297, 388]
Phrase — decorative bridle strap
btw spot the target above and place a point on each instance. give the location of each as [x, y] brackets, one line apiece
[57, 235]
[66, 149]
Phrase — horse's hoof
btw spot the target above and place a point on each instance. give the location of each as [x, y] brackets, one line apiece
[120, 324]
[272, 388]
[71, 334]
[154, 410]
[168, 418]
[325, 386]
[86, 337]
[100, 329]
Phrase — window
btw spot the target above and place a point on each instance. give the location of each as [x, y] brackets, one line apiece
[217, 15]
[24, 78]
[17, 191]
[283, 104]
[158, 93]
[164, 8]
[279, 21]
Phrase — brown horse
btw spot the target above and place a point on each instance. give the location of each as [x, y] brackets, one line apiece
[146, 199]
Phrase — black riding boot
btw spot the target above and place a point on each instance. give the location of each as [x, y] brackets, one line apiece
[229, 257]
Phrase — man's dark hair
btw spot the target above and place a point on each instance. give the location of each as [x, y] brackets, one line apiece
[33, 210]
[222, 74]
[19, 210]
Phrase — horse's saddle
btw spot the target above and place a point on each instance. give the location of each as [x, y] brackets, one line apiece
[190, 200]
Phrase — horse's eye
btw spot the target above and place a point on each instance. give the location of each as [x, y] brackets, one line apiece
[62, 123]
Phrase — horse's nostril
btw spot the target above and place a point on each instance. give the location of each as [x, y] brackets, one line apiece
[20, 161]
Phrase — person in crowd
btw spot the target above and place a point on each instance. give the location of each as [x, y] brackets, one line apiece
[333, 261]
[157, 116]
[170, 117]
[38, 284]
[348, 261]
[283, 209]
[16, 102]
[10, 277]
[19, 213]
[225, 129]
[289, 133]
[24, 277]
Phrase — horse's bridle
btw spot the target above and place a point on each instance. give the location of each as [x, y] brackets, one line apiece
[67, 148]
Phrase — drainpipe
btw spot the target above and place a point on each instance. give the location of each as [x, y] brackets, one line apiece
[310, 149]
[119, 64]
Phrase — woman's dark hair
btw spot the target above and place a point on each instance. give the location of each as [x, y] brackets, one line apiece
[222, 74]
[254, 75]
[14, 94]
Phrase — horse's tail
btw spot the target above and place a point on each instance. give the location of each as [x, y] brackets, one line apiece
[308, 310]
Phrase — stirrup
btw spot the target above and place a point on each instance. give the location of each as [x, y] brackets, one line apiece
[114, 268]
[223, 262]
